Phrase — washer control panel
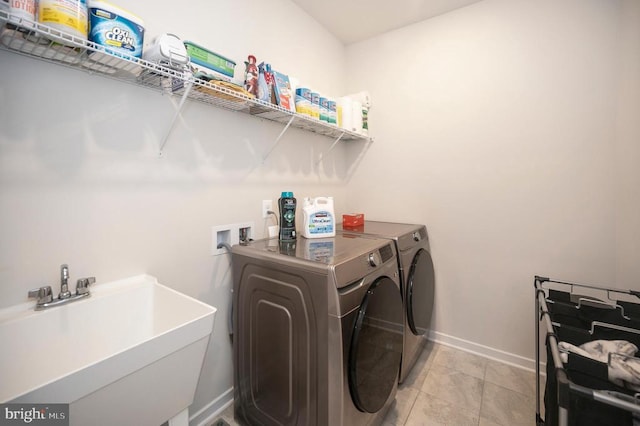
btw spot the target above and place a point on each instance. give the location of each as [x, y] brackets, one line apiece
[378, 257]
[372, 260]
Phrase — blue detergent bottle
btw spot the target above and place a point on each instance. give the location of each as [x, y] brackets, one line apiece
[287, 206]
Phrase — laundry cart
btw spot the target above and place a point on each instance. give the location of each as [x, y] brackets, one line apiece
[592, 337]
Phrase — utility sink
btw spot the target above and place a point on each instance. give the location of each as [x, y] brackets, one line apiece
[129, 354]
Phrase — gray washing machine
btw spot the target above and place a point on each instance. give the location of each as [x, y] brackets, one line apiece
[318, 328]
[417, 278]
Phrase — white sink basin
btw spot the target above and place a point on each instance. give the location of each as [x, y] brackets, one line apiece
[133, 340]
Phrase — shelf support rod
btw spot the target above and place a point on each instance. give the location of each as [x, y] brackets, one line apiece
[188, 85]
[278, 139]
[322, 154]
[356, 163]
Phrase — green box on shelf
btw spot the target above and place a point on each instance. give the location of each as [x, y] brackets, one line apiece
[208, 59]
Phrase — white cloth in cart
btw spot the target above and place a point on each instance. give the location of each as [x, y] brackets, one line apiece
[623, 370]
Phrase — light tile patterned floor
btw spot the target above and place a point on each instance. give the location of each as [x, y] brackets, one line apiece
[452, 387]
[455, 388]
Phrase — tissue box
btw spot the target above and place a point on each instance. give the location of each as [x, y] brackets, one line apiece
[352, 220]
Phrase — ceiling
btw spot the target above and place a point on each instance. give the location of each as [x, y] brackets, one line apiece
[356, 20]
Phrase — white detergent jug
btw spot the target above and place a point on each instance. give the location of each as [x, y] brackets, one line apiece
[319, 219]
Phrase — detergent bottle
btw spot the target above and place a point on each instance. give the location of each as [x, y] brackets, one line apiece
[287, 206]
[319, 218]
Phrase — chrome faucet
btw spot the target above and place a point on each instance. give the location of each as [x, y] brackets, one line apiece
[64, 282]
[44, 294]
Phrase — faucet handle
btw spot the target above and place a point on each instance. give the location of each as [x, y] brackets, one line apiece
[82, 285]
[43, 294]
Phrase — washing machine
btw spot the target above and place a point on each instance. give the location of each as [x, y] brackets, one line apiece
[318, 328]
[417, 282]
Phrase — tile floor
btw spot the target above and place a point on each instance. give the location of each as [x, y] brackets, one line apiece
[452, 387]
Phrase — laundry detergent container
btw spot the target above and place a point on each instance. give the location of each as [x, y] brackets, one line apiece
[117, 30]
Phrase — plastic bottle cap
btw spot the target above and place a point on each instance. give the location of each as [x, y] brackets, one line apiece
[287, 194]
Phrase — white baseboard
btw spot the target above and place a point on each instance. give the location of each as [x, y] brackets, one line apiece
[482, 350]
[212, 410]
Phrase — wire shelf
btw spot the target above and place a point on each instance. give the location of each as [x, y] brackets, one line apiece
[39, 41]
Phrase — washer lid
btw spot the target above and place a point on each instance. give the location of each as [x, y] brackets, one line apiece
[330, 251]
[346, 257]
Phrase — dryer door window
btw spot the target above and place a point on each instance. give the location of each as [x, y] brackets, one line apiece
[420, 290]
[376, 346]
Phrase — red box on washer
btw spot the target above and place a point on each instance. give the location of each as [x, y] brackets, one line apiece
[352, 220]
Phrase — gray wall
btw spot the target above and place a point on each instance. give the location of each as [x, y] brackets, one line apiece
[509, 128]
[81, 181]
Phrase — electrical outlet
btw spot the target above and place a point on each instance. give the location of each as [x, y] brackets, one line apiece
[267, 205]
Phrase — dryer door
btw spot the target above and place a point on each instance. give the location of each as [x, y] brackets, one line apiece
[376, 346]
[420, 290]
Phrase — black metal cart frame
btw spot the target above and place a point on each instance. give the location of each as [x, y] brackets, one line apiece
[565, 388]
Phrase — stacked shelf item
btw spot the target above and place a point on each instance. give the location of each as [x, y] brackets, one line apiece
[592, 337]
[35, 40]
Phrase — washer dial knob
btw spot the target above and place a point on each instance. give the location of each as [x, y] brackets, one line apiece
[373, 259]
